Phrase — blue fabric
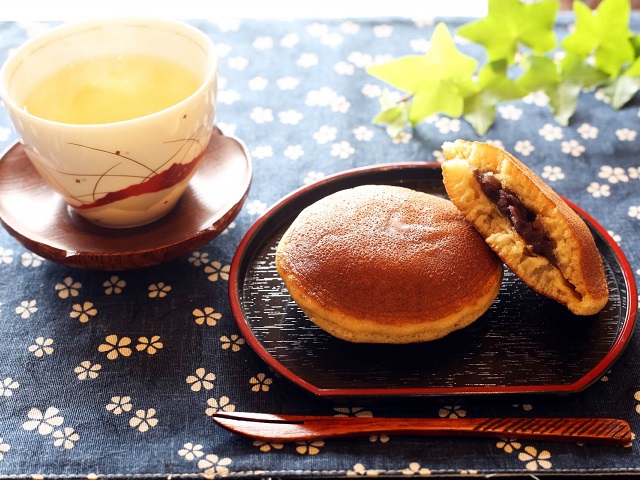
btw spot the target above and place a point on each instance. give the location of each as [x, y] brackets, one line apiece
[115, 374]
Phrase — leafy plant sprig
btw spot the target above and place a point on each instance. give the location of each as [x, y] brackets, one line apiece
[520, 44]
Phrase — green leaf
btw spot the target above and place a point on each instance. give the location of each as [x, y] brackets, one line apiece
[540, 73]
[393, 113]
[635, 42]
[480, 113]
[438, 80]
[561, 81]
[390, 115]
[494, 83]
[634, 69]
[511, 22]
[494, 86]
[576, 74]
[563, 100]
[396, 118]
[579, 71]
[622, 89]
[603, 32]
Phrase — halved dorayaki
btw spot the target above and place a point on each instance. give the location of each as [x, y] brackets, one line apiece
[531, 228]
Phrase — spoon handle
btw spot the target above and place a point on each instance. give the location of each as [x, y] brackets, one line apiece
[289, 428]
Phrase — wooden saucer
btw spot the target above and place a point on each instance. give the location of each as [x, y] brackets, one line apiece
[41, 221]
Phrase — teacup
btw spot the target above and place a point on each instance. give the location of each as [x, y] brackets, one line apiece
[117, 164]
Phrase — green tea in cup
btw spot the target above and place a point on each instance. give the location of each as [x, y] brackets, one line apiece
[110, 89]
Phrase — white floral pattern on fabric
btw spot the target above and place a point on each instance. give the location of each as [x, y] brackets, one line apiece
[41, 346]
[510, 112]
[360, 470]
[309, 448]
[508, 445]
[587, 131]
[342, 150]
[256, 207]
[68, 288]
[87, 370]
[7, 387]
[26, 308]
[233, 342]
[550, 132]
[197, 259]
[268, 446]
[313, 177]
[598, 190]
[115, 347]
[191, 451]
[159, 290]
[214, 466]
[201, 379]
[262, 151]
[262, 115]
[634, 211]
[45, 422]
[65, 438]
[114, 285]
[495, 142]
[31, 260]
[452, 411]
[325, 134]
[552, 174]
[447, 125]
[4, 448]
[6, 256]
[290, 117]
[572, 147]
[83, 311]
[613, 174]
[221, 405]
[403, 138]
[260, 383]
[119, 405]
[149, 345]
[626, 135]
[535, 460]
[352, 412]
[414, 468]
[294, 152]
[524, 147]
[143, 420]
[207, 316]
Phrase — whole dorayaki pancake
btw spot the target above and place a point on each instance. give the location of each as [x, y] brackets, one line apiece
[537, 235]
[386, 264]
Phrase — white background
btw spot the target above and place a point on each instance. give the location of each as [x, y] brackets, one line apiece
[67, 10]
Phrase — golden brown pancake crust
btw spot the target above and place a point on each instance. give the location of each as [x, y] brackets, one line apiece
[387, 264]
[574, 275]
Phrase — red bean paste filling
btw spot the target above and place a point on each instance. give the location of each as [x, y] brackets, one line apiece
[524, 221]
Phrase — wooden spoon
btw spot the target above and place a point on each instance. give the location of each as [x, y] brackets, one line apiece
[293, 428]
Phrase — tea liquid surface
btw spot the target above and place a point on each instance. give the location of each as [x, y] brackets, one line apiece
[110, 89]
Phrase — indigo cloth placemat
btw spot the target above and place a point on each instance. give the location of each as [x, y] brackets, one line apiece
[116, 374]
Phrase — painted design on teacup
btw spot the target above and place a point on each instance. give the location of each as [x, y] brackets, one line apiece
[154, 180]
[167, 178]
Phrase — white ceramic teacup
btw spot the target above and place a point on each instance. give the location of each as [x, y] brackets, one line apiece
[124, 173]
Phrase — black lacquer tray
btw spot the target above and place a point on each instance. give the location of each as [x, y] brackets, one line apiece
[524, 343]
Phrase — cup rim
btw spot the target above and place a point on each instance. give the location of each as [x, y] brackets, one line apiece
[78, 26]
